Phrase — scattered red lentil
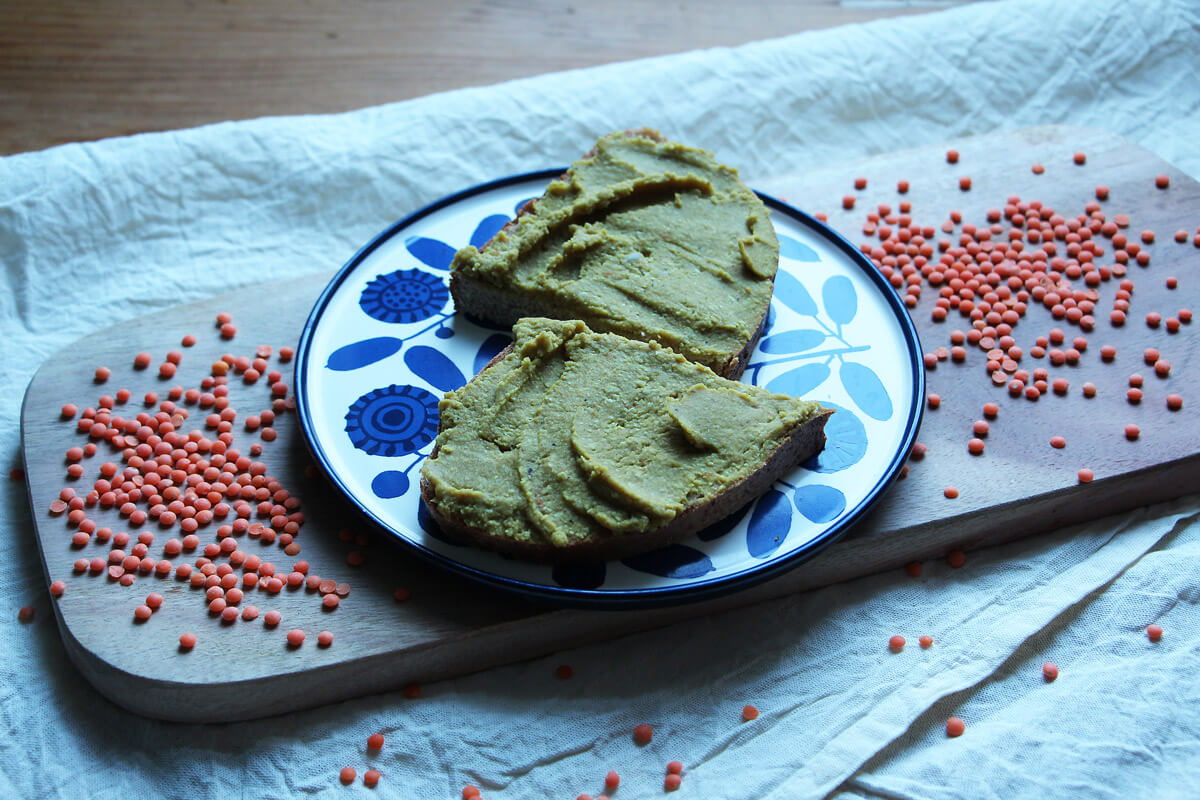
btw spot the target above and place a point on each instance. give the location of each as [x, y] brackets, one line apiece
[952, 156]
[142, 613]
[324, 639]
[187, 641]
[1154, 631]
[1038, 169]
[1089, 389]
[749, 713]
[25, 614]
[295, 637]
[974, 447]
[1132, 431]
[347, 775]
[902, 187]
[848, 201]
[956, 558]
[1058, 442]
[860, 183]
[672, 782]
[950, 492]
[102, 374]
[1049, 671]
[1085, 475]
[412, 691]
[642, 734]
[926, 641]
[1080, 158]
[914, 569]
[401, 594]
[470, 791]
[563, 672]
[934, 401]
[371, 778]
[896, 643]
[674, 767]
[1162, 181]
[955, 727]
[1174, 402]
[272, 618]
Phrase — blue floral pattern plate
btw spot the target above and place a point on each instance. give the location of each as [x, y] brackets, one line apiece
[384, 342]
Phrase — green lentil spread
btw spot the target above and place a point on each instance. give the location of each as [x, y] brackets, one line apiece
[647, 238]
[575, 435]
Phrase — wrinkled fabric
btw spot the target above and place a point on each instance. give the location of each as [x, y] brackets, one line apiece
[239, 203]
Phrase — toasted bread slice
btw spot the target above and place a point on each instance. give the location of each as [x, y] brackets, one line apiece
[575, 446]
[643, 237]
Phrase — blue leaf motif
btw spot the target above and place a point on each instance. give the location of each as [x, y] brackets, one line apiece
[866, 390]
[799, 381]
[390, 483]
[723, 526]
[819, 503]
[430, 252]
[770, 319]
[845, 442]
[581, 576]
[841, 301]
[794, 295]
[434, 367]
[769, 524]
[672, 561]
[360, 354]
[444, 333]
[487, 228]
[792, 341]
[796, 250]
[488, 350]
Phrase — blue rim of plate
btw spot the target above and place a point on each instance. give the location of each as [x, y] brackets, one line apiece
[640, 598]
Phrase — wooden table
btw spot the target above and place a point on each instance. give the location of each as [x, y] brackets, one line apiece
[79, 70]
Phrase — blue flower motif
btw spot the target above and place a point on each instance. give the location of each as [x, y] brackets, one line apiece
[406, 295]
[393, 421]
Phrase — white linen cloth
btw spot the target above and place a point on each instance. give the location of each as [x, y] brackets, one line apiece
[239, 203]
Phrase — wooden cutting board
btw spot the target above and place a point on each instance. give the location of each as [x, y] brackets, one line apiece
[1019, 486]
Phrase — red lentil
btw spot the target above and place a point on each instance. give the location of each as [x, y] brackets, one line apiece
[1058, 442]
[295, 637]
[563, 672]
[642, 734]
[934, 401]
[926, 641]
[371, 778]
[412, 691]
[950, 492]
[749, 713]
[1049, 671]
[25, 614]
[324, 639]
[1085, 475]
[956, 558]
[955, 727]
[914, 569]
[896, 643]
[272, 618]
[187, 641]
[142, 613]
[975, 447]
[672, 782]
[860, 183]
[1132, 431]
[1154, 631]
[1174, 402]
[1089, 389]
[347, 775]
[952, 156]
[1162, 181]
[1037, 169]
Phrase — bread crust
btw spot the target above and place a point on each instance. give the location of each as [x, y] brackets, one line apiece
[805, 441]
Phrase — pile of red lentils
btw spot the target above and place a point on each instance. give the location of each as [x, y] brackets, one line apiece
[190, 481]
[1025, 254]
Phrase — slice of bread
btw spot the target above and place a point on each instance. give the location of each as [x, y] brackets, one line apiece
[643, 237]
[573, 446]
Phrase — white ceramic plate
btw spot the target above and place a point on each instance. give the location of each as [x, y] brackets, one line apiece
[383, 344]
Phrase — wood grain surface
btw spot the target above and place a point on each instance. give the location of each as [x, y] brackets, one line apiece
[77, 70]
[1020, 486]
